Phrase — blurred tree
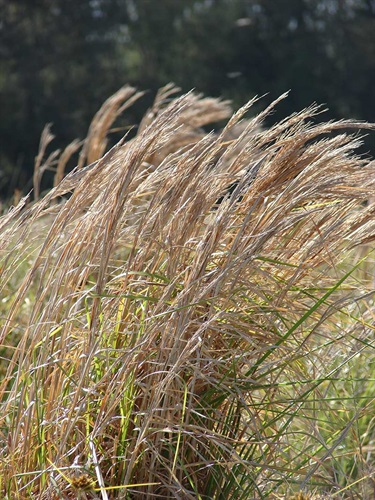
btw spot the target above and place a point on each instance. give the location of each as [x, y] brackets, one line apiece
[350, 41]
[55, 65]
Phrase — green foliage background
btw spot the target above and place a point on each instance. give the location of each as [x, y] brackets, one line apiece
[59, 60]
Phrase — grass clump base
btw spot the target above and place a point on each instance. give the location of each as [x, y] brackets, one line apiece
[158, 344]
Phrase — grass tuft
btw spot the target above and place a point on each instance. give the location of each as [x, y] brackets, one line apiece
[194, 317]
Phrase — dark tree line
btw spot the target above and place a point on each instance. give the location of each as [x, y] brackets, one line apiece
[59, 59]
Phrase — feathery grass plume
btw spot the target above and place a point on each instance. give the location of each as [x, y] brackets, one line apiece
[68, 152]
[164, 349]
[96, 141]
[39, 167]
[201, 111]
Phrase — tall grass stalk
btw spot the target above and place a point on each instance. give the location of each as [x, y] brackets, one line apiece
[158, 344]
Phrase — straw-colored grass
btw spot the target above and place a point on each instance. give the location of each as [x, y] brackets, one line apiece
[158, 344]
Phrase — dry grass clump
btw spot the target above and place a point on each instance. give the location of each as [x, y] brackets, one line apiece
[172, 347]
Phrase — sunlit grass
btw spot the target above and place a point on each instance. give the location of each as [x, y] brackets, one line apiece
[158, 344]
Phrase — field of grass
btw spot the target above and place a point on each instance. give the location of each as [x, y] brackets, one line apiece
[157, 343]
